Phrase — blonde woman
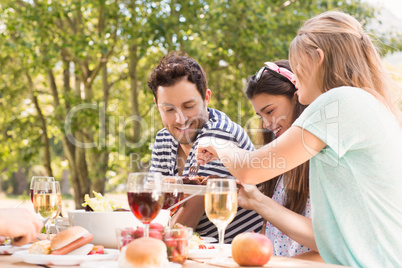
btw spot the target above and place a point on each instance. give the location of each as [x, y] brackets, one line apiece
[350, 132]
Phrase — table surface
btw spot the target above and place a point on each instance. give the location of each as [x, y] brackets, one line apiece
[8, 261]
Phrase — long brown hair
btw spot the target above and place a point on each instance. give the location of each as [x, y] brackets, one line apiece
[296, 181]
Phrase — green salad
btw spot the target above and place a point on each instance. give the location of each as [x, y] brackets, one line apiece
[100, 203]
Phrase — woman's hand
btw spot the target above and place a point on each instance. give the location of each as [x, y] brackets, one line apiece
[206, 151]
[248, 195]
[20, 225]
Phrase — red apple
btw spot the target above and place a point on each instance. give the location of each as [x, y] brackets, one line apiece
[251, 249]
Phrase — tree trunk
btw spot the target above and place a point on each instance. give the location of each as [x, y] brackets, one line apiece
[82, 182]
[20, 182]
[99, 159]
[43, 125]
[73, 155]
[133, 63]
[135, 111]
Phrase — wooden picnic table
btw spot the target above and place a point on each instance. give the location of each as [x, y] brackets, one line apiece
[9, 261]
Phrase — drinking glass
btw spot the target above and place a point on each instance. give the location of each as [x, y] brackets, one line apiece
[35, 179]
[47, 201]
[221, 207]
[144, 193]
[172, 192]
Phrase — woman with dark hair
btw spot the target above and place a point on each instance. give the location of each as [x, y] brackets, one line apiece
[273, 96]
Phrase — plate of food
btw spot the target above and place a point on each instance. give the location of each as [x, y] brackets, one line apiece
[9, 249]
[198, 242]
[207, 240]
[196, 184]
[109, 254]
[69, 247]
[208, 251]
[194, 189]
[115, 264]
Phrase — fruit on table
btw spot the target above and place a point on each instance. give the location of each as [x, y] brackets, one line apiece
[155, 233]
[129, 234]
[202, 246]
[251, 249]
[156, 226]
[98, 249]
[176, 240]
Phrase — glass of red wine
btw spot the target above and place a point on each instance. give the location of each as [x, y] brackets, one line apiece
[36, 179]
[144, 193]
[173, 192]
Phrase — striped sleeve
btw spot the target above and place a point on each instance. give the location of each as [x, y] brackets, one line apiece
[154, 165]
[163, 154]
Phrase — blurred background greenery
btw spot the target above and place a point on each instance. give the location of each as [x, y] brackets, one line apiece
[74, 99]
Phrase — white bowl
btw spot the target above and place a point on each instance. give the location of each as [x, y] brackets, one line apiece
[103, 224]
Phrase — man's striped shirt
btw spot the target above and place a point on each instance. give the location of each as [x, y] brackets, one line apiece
[164, 155]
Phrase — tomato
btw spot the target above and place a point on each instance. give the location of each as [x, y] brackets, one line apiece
[202, 246]
[98, 249]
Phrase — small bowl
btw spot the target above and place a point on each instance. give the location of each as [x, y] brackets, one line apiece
[103, 224]
[177, 243]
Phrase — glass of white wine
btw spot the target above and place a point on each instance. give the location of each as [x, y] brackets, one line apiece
[47, 201]
[221, 208]
[34, 180]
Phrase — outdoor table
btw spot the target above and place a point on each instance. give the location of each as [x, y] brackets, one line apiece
[8, 261]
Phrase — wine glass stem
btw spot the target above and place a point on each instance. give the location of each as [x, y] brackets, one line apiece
[146, 229]
[221, 232]
[47, 227]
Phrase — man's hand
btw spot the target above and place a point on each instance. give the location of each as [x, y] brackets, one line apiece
[20, 225]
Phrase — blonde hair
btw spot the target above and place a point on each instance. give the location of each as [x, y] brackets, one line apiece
[350, 57]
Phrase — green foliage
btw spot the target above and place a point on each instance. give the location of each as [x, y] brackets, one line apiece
[230, 39]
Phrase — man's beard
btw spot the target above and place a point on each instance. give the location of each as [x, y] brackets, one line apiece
[191, 136]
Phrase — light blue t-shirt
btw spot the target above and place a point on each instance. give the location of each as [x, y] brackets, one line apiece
[356, 180]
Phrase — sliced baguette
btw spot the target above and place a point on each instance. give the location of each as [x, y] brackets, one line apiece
[40, 247]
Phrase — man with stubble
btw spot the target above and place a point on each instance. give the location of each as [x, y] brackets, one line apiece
[181, 94]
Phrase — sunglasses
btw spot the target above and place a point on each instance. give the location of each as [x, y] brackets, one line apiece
[279, 72]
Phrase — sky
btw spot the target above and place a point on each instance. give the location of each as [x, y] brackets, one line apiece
[395, 6]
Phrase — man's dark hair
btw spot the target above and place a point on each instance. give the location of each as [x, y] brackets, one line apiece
[174, 67]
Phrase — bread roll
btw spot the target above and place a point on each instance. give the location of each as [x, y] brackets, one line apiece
[144, 252]
[67, 236]
[40, 247]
